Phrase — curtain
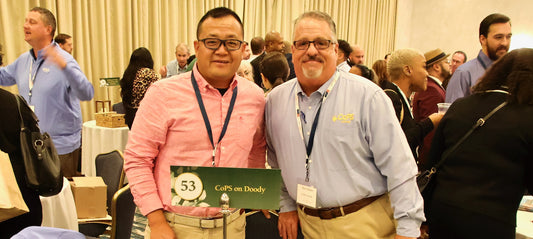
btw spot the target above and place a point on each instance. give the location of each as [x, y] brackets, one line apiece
[106, 32]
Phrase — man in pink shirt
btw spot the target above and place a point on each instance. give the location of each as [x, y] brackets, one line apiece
[171, 128]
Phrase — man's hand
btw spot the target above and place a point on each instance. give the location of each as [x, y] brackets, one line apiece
[51, 54]
[163, 71]
[288, 225]
[266, 213]
[159, 227]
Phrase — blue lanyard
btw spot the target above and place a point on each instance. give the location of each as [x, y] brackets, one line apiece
[206, 119]
[309, 146]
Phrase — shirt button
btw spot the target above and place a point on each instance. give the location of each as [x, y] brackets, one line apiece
[310, 107]
[308, 133]
[223, 148]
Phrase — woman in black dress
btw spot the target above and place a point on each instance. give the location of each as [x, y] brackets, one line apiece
[479, 187]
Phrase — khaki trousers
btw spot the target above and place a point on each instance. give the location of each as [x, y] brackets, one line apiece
[235, 229]
[371, 222]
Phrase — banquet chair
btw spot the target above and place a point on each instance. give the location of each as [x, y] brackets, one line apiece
[119, 108]
[122, 212]
[109, 166]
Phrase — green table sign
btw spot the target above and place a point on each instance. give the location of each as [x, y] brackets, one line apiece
[252, 188]
[110, 81]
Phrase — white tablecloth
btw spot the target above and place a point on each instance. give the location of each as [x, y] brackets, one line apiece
[59, 211]
[524, 225]
[97, 140]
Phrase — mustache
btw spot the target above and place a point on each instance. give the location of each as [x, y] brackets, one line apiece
[503, 48]
[313, 58]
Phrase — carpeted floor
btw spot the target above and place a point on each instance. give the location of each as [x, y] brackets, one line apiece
[139, 224]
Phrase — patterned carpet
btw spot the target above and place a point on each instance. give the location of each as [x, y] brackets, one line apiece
[139, 224]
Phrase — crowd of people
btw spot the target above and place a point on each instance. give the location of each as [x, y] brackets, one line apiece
[352, 137]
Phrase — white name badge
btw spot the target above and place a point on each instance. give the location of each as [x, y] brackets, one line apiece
[306, 195]
[32, 107]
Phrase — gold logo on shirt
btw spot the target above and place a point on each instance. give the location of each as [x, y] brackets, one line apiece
[343, 118]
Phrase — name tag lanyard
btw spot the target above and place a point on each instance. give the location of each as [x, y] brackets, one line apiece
[32, 79]
[206, 119]
[309, 146]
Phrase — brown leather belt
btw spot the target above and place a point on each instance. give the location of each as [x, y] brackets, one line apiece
[333, 212]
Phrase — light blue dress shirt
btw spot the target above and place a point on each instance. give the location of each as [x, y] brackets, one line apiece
[174, 69]
[344, 67]
[56, 94]
[359, 148]
[466, 76]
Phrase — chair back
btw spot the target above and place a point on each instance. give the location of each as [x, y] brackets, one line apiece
[109, 166]
[119, 108]
[122, 212]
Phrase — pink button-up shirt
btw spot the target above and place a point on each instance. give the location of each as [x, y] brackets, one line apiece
[169, 130]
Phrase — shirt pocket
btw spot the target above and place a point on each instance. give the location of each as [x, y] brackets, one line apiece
[241, 131]
[340, 142]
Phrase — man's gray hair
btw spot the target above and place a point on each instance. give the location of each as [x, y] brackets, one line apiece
[321, 16]
[183, 46]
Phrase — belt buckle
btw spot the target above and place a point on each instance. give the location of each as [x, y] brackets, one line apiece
[207, 223]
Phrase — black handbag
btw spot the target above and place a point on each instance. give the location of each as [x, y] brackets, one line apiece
[41, 161]
[424, 179]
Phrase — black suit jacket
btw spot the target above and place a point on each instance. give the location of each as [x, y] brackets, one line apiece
[256, 65]
[414, 131]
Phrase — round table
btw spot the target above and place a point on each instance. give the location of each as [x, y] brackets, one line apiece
[59, 211]
[96, 140]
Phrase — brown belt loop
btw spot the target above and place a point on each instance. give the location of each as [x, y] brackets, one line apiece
[334, 212]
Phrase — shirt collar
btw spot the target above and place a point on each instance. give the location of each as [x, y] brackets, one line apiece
[40, 52]
[485, 59]
[203, 84]
[342, 64]
[405, 98]
[320, 90]
[436, 80]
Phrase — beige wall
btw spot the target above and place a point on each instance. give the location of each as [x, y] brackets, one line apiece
[454, 24]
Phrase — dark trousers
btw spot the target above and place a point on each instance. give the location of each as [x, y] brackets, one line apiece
[449, 222]
[14, 225]
[70, 162]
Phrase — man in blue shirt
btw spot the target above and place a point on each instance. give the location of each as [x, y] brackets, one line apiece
[495, 38]
[179, 65]
[347, 169]
[52, 83]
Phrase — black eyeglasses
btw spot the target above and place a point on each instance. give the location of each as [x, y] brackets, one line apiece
[214, 43]
[320, 44]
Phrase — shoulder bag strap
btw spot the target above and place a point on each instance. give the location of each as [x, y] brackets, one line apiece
[22, 127]
[401, 112]
[480, 122]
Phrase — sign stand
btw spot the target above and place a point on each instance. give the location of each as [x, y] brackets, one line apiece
[224, 209]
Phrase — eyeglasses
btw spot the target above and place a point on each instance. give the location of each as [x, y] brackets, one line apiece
[320, 44]
[214, 43]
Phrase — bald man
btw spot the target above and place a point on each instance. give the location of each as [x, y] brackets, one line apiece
[358, 55]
